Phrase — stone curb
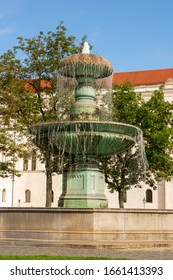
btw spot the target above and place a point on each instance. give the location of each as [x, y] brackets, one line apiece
[90, 245]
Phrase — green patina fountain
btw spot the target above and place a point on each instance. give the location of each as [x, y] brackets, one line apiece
[84, 138]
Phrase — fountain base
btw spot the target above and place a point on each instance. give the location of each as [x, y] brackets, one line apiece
[83, 187]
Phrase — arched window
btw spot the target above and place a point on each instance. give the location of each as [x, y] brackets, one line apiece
[4, 195]
[149, 196]
[27, 196]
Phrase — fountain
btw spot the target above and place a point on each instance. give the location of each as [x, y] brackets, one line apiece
[84, 138]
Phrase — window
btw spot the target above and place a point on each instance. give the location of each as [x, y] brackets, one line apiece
[27, 196]
[52, 196]
[149, 196]
[33, 162]
[4, 195]
[25, 163]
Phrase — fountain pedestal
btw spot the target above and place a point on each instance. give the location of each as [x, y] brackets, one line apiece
[83, 187]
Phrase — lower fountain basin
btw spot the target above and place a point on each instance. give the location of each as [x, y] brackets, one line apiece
[87, 137]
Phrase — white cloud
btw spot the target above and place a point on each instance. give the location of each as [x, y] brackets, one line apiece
[6, 30]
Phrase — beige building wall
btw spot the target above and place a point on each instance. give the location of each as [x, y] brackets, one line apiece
[32, 181]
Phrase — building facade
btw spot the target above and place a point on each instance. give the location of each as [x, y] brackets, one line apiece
[29, 190]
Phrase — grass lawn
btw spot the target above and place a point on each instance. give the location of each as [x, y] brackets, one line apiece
[42, 257]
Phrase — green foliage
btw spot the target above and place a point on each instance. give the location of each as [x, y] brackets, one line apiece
[17, 104]
[31, 91]
[121, 172]
[38, 67]
[126, 103]
[17, 111]
[155, 119]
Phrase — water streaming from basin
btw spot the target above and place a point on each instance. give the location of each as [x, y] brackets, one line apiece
[87, 135]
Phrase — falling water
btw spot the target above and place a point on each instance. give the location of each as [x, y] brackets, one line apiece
[79, 140]
[104, 98]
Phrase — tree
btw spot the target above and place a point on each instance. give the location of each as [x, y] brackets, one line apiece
[13, 121]
[154, 117]
[35, 61]
[121, 172]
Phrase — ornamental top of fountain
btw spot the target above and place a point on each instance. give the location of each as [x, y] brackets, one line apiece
[85, 65]
[86, 48]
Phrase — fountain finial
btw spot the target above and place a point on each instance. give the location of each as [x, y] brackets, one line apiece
[86, 48]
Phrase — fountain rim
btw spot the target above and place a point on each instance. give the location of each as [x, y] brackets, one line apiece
[85, 121]
[85, 58]
[80, 64]
[47, 127]
[70, 127]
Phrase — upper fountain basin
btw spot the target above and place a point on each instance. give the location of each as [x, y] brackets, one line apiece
[85, 65]
[92, 138]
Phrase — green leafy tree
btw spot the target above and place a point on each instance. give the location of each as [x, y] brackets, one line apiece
[121, 172]
[35, 61]
[14, 115]
[154, 117]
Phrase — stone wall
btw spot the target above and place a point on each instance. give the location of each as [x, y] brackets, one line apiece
[54, 224]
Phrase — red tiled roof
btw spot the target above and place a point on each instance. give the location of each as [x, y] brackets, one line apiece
[137, 78]
[44, 84]
[145, 77]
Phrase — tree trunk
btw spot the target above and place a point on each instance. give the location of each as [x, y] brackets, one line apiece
[48, 188]
[48, 182]
[120, 199]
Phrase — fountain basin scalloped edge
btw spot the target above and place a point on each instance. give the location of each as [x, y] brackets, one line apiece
[87, 137]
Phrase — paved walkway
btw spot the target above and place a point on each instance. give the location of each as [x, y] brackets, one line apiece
[132, 254]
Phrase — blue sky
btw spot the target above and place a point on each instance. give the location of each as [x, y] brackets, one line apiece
[132, 34]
